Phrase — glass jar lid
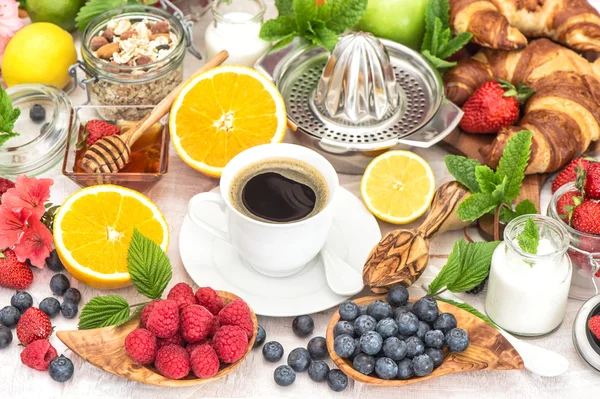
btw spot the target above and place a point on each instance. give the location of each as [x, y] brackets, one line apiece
[586, 345]
[42, 130]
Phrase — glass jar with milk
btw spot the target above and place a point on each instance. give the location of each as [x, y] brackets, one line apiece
[236, 28]
[527, 293]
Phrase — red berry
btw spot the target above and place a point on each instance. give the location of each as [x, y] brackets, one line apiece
[33, 325]
[38, 355]
[173, 362]
[190, 347]
[594, 325]
[204, 361]
[164, 319]
[141, 346]
[196, 323]
[209, 298]
[592, 181]
[5, 184]
[569, 174]
[14, 274]
[183, 294]
[586, 217]
[176, 339]
[566, 204]
[230, 343]
[97, 129]
[237, 313]
[146, 312]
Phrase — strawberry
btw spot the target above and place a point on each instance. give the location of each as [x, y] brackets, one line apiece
[586, 217]
[493, 106]
[592, 181]
[594, 325]
[569, 174]
[14, 274]
[566, 204]
[97, 129]
[33, 325]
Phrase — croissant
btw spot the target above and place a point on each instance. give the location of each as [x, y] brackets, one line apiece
[563, 114]
[503, 24]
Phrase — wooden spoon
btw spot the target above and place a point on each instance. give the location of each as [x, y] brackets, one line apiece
[111, 154]
[401, 256]
[105, 349]
[488, 349]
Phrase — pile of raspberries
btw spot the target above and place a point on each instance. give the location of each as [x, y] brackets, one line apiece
[191, 332]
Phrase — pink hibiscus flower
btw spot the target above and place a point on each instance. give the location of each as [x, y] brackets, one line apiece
[30, 194]
[10, 22]
[35, 244]
[12, 226]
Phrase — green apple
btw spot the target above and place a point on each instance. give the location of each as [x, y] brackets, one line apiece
[402, 21]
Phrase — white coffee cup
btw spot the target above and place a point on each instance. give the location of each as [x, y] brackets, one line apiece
[273, 249]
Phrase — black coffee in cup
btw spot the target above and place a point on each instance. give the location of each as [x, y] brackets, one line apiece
[279, 190]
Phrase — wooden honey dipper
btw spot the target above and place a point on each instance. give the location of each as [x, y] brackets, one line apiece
[111, 154]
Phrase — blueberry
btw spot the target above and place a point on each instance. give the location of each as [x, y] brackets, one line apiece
[397, 295]
[61, 369]
[394, 348]
[303, 326]
[387, 327]
[426, 309]
[414, 347]
[379, 310]
[402, 337]
[72, 295]
[364, 364]
[371, 342]
[348, 311]
[59, 284]
[299, 359]
[69, 309]
[5, 336]
[273, 351]
[261, 335]
[317, 347]
[50, 306]
[363, 324]
[318, 370]
[423, 328]
[422, 365]
[405, 370]
[434, 339]
[357, 349]
[362, 310]
[436, 355]
[337, 380]
[343, 327]
[408, 323]
[37, 113]
[22, 301]
[284, 376]
[53, 262]
[9, 316]
[386, 368]
[457, 340]
[445, 322]
[344, 346]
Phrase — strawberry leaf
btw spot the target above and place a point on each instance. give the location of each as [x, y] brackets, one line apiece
[148, 265]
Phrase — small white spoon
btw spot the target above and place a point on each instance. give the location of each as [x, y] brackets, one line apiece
[342, 278]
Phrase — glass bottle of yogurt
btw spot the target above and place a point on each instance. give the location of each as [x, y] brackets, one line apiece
[527, 293]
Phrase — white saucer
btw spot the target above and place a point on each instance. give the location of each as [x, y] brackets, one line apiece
[213, 262]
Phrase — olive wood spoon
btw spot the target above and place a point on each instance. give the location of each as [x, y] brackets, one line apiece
[111, 154]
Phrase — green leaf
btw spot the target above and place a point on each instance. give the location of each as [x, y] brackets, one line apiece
[470, 309]
[103, 311]
[524, 207]
[450, 271]
[475, 206]
[341, 15]
[325, 37]
[148, 265]
[6, 136]
[278, 29]
[500, 191]
[8, 116]
[283, 43]
[93, 8]
[463, 170]
[285, 8]
[135, 315]
[435, 40]
[486, 178]
[529, 238]
[513, 163]
[436, 62]
[306, 11]
[454, 44]
[475, 261]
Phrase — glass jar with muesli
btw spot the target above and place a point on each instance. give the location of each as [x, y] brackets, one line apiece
[132, 56]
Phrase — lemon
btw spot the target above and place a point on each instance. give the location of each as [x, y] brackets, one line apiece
[398, 186]
[39, 53]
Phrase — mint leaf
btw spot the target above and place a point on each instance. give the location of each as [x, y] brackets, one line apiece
[529, 238]
[450, 271]
[463, 170]
[135, 315]
[475, 206]
[454, 44]
[278, 29]
[306, 11]
[513, 163]
[470, 309]
[475, 261]
[341, 15]
[8, 117]
[436, 62]
[148, 265]
[486, 178]
[283, 43]
[323, 36]
[93, 8]
[103, 311]
[285, 8]
[435, 38]
[524, 207]
[4, 137]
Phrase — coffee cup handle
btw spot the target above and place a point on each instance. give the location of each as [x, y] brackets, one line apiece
[207, 197]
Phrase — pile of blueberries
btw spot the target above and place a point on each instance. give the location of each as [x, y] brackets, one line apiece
[399, 343]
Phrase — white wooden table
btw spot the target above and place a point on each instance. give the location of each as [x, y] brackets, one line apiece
[254, 378]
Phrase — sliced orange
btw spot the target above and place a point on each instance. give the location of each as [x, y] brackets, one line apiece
[93, 228]
[223, 112]
[398, 186]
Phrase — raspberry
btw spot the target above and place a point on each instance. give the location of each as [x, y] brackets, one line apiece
[164, 319]
[190, 347]
[176, 339]
[237, 313]
[97, 129]
[209, 298]
[594, 326]
[196, 323]
[146, 312]
[204, 361]
[173, 362]
[38, 355]
[183, 295]
[230, 343]
[141, 346]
